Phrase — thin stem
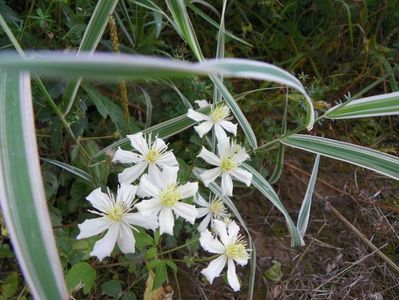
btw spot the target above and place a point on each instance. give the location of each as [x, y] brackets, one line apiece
[179, 247]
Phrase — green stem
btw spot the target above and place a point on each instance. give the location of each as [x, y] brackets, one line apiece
[179, 247]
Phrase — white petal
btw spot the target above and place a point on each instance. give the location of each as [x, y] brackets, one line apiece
[201, 201]
[126, 157]
[214, 268]
[202, 211]
[197, 116]
[242, 175]
[188, 190]
[211, 244]
[132, 173]
[166, 221]
[137, 219]
[167, 159]
[232, 276]
[205, 222]
[148, 187]
[186, 211]
[92, 227]
[229, 126]
[149, 207]
[233, 229]
[209, 157]
[126, 193]
[209, 176]
[126, 241]
[220, 228]
[155, 175]
[99, 200]
[169, 176]
[104, 247]
[240, 156]
[138, 142]
[219, 132]
[202, 103]
[223, 147]
[241, 261]
[203, 128]
[227, 184]
[159, 144]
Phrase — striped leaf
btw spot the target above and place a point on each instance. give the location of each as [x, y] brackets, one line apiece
[304, 213]
[22, 196]
[90, 40]
[260, 183]
[71, 169]
[377, 161]
[375, 106]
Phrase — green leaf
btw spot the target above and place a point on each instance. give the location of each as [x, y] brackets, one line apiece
[377, 161]
[90, 40]
[304, 213]
[161, 274]
[71, 169]
[267, 190]
[81, 275]
[25, 209]
[112, 288]
[375, 106]
[10, 286]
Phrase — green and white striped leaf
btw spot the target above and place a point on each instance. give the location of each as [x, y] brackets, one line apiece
[304, 213]
[260, 183]
[71, 169]
[215, 188]
[374, 106]
[22, 196]
[90, 40]
[377, 161]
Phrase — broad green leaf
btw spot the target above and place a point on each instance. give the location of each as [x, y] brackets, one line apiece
[71, 169]
[377, 161]
[81, 275]
[22, 196]
[260, 183]
[161, 274]
[304, 213]
[90, 40]
[374, 106]
[112, 288]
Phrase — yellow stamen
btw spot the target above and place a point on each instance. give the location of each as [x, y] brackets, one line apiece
[170, 196]
[217, 207]
[237, 250]
[152, 155]
[219, 113]
[227, 164]
[115, 213]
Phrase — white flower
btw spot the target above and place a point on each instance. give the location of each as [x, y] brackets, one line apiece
[230, 156]
[214, 209]
[150, 154]
[166, 193]
[232, 249]
[116, 218]
[218, 119]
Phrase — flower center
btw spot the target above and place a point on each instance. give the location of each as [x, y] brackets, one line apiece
[152, 155]
[219, 113]
[237, 251]
[170, 196]
[217, 207]
[115, 213]
[227, 164]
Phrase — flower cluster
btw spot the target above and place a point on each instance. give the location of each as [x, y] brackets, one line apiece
[150, 196]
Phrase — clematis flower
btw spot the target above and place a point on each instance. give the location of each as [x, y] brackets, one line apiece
[218, 118]
[232, 249]
[214, 209]
[115, 216]
[230, 156]
[153, 155]
[166, 193]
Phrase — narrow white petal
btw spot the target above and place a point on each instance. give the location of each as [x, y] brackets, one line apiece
[232, 275]
[205, 223]
[240, 156]
[220, 228]
[104, 247]
[209, 176]
[137, 219]
[166, 221]
[126, 157]
[186, 211]
[129, 175]
[227, 184]
[148, 188]
[242, 175]
[159, 144]
[169, 176]
[126, 193]
[202, 211]
[126, 241]
[138, 142]
[214, 268]
[203, 128]
[241, 261]
[149, 207]
[155, 175]
[92, 227]
[219, 132]
[197, 116]
[233, 229]
[209, 157]
[223, 147]
[167, 159]
[211, 244]
[202, 103]
[229, 126]
[188, 190]
[201, 201]
[99, 200]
